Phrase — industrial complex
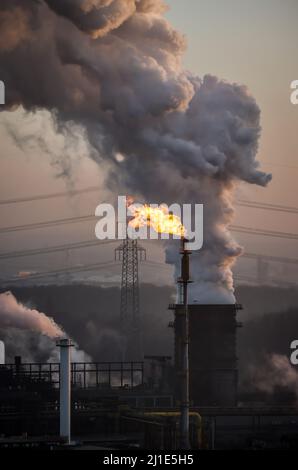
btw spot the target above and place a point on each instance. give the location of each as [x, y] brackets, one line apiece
[187, 401]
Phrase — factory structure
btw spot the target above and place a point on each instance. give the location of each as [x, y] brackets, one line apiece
[212, 353]
[107, 97]
[188, 401]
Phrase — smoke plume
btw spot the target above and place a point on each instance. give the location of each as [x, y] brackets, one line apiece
[114, 68]
[275, 372]
[29, 332]
[16, 315]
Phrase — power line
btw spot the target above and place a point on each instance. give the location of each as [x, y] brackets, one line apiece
[65, 247]
[154, 264]
[86, 218]
[280, 165]
[40, 197]
[265, 233]
[74, 269]
[255, 256]
[238, 277]
[98, 266]
[92, 243]
[99, 243]
[279, 259]
[91, 189]
[57, 248]
[244, 278]
[243, 203]
[50, 223]
[265, 206]
[254, 280]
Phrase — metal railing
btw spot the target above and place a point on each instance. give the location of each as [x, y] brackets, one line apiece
[83, 374]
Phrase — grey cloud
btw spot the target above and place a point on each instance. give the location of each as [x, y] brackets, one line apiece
[114, 68]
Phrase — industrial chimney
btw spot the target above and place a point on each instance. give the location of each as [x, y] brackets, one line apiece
[2, 353]
[65, 388]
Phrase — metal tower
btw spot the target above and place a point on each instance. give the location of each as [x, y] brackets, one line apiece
[130, 254]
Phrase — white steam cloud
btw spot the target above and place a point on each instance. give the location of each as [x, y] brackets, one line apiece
[276, 372]
[114, 68]
[31, 333]
[15, 315]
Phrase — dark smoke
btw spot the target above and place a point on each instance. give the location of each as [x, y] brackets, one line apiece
[114, 68]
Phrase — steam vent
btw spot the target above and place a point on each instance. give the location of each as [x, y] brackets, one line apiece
[212, 353]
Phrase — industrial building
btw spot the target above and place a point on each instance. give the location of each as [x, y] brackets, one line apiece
[212, 353]
[189, 401]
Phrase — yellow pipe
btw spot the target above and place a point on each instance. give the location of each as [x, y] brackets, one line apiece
[176, 414]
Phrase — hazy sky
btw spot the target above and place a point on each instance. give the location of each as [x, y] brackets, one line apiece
[251, 42]
[254, 43]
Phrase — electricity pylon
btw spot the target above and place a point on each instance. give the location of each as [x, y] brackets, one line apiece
[130, 253]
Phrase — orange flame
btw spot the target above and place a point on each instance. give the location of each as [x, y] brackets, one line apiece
[129, 201]
[159, 218]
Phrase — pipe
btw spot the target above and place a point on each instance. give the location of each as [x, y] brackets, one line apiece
[184, 417]
[65, 388]
[18, 364]
[176, 414]
[213, 433]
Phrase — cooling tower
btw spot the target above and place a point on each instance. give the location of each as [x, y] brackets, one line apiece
[212, 353]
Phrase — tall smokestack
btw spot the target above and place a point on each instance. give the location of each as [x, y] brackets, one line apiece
[184, 416]
[2, 353]
[65, 388]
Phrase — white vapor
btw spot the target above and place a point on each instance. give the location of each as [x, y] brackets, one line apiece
[15, 315]
[275, 372]
[31, 333]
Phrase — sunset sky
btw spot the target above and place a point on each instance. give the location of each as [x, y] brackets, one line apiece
[252, 43]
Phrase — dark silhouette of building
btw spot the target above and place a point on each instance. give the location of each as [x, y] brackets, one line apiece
[213, 373]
